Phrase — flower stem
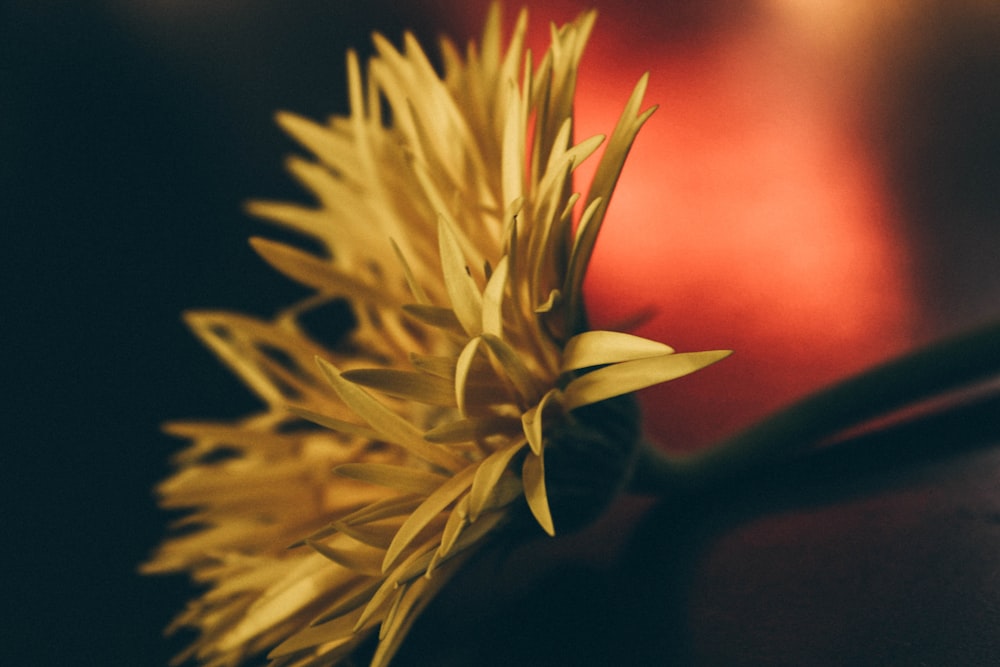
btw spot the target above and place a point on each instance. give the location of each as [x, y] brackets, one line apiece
[963, 360]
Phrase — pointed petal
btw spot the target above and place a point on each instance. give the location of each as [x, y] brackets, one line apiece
[390, 425]
[337, 631]
[357, 557]
[338, 425]
[533, 420]
[462, 369]
[601, 188]
[630, 376]
[411, 281]
[522, 379]
[533, 476]
[472, 430]
[435, 316]
[384, 509]
[401, 478]
[466, 300]
[442, 367]
[407, 385]
[317, 273]
[436, 503]
[493, 299]
[488, 473]
[457, 521]
[597, 348]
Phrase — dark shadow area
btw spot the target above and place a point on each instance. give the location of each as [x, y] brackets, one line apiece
[878, 550]
[131, 134]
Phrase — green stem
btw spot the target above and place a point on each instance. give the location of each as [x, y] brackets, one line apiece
[962, 360]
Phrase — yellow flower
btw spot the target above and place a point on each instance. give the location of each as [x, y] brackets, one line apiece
[445, 219]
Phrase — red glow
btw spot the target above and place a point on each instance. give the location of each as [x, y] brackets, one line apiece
[746, 218]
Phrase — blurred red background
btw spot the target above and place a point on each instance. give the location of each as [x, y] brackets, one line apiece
[752, 213]
[803, 195]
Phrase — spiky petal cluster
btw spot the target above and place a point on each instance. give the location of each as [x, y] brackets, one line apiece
[446, 218]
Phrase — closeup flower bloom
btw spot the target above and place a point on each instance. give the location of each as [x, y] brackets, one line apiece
[468, 388]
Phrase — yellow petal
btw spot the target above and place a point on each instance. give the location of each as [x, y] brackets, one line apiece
[408, 385]
[466, 300]
[436, 503]
[513, 367]
[407, 479]
[358, 557]
[411, 281]
[533, 477]
[493, 299]
[390, 584]
[313, 136]
[294, 591]
[350, 600]
[338, 631]
[309, 221]
[470, 534]
[333, 424]
[597, 348]
[457, 521]
[472, 429]
[436, 316]
[315, 272]
[629, 376]
[533, 420]
[550, 303]
[488, 473]
[383, 509]
[373, 533]
[241, 342]
[390, 425]
[578, 257]
[462, 370]
[601, 188]
[512, 162]
[442, 367]
[412, 601]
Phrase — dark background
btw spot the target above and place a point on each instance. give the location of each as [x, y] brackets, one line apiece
[130, 135]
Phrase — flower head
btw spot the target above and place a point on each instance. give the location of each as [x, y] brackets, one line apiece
[447, 219]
